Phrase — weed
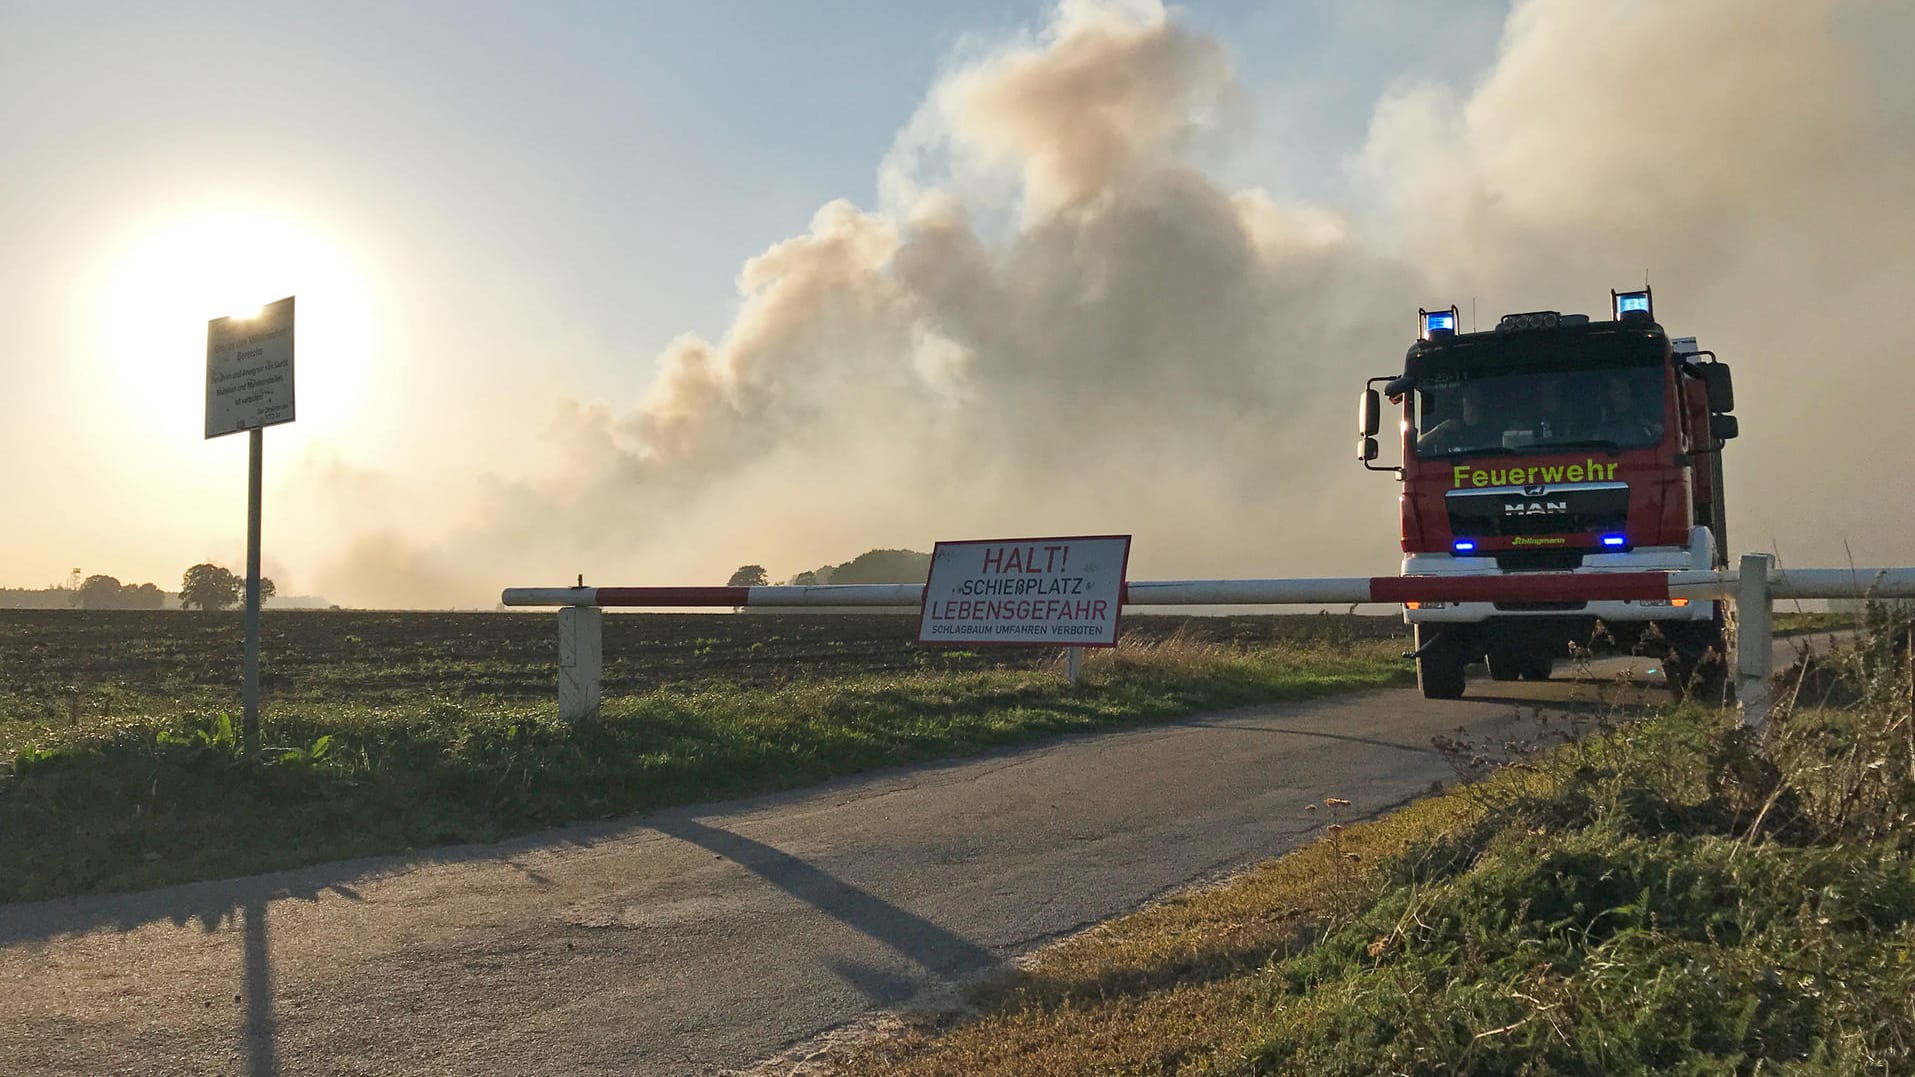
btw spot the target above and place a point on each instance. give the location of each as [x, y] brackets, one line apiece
[212, 734]
[310, 755]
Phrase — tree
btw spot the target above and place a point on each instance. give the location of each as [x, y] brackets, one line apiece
[749, 576]
[884, 566]
[98, 593]
[210, 587]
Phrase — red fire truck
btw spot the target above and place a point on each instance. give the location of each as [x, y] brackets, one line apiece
[1554, 443]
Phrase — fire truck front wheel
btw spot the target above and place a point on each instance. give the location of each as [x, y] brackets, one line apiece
[1440, 658]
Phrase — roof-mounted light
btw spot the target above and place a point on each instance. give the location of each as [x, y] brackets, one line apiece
[1535, 319]
[1434, 323]
[1630, 305]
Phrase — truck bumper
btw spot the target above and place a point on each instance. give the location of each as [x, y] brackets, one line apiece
[1699, 554]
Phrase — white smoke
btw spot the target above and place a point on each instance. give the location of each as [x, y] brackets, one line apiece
[1757, 160]
[1055, 322]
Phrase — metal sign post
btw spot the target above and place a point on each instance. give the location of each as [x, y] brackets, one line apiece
[249, 683]
[249, 386]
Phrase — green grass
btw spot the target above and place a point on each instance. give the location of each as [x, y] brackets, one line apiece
[137, 790]
[1669, 895]
[1794, 623]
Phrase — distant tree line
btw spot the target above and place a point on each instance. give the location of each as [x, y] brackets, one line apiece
[204, 587]
[872, 566]
[108, 593]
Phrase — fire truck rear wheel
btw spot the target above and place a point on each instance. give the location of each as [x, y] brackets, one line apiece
[1536, 664]
[1505, 662]
[1441, 657]
[1696, 665]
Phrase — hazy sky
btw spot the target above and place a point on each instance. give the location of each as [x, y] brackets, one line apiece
[646, 291]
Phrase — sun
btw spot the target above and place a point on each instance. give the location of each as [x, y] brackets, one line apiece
[174, 279]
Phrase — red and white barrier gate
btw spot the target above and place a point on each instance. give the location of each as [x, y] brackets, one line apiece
[1752, 587]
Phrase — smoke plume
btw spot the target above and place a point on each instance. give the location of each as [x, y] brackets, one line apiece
[1055, 322]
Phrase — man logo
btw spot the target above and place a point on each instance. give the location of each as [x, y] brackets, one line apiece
[1535, 491]
[1536, 508]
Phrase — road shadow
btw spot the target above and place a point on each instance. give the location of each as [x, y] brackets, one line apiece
[1250, 727]
[936, 949]
[211, 905]
[242, 905]
[260, 1031]
[1586, 706]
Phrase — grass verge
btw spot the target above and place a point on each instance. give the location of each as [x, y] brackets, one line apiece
[1789, 623]
[143, 798]
[1675, 894]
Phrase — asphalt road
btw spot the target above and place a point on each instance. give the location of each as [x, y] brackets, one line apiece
[710, 937]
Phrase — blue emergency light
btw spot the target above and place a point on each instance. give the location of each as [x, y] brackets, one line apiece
[1615, 540]
[1633, 303]
[1434, 322]
[1464, 546]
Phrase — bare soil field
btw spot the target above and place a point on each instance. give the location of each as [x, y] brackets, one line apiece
[53, 662]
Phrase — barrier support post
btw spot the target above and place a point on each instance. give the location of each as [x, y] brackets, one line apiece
[1754, 639]
[1073, 663]
[581, 657]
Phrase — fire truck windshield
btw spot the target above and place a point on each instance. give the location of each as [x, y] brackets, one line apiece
[1539, 411]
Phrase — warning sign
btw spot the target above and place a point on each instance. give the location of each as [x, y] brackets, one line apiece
[1043, 591]
[249, 370]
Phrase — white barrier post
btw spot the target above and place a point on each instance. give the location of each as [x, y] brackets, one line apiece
[1073, 663]
[581, 657]
[1754, 639]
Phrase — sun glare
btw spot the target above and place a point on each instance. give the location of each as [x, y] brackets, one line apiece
[175, 279]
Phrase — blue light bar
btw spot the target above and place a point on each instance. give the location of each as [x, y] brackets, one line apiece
[1464, 546]
[1632, 303]
[1437, 321]
[1615, 540]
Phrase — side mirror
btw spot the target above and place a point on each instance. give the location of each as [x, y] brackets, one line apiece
[1367, 452]
[1369, 417]
[1721, 390]
[1723, 427]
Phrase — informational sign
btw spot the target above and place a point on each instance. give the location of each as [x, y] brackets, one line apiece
[249, 370]
[1042, 591]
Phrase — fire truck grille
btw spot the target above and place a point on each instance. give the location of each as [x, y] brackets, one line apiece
[1510, 511]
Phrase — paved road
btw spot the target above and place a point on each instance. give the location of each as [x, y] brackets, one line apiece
[708, 937]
